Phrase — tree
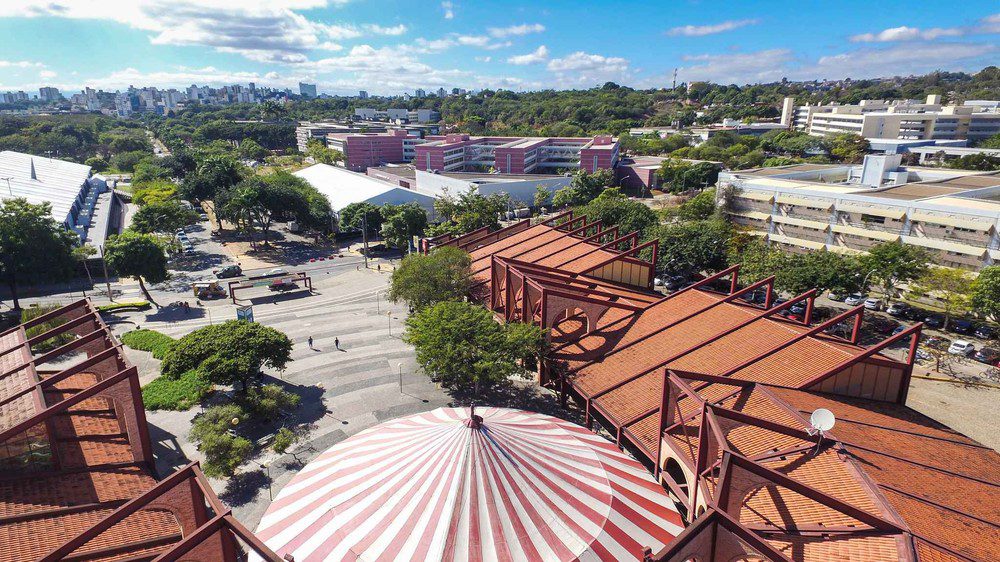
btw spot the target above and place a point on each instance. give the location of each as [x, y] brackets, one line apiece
[146, 171]
[422, 280]
[97, 163]
[470, 211]
[991, 142]
[139, 256]
[213, 175]
[693, 246]
[231, 352]
[33, 246]
[981, 162]
[893, 263]
[953, 288]
[590, 184]
[224, 451]
[316, 149]
[615, 209]
[823, 271]
[699, 207]
[315, 212]
[163, 216]
[252, 150]
[255, 203]
[848, 147]
[463, 346]
[400, 223]
[156, 191]
[542, 196]
[567, 197]
[986, 292]
[357, 214]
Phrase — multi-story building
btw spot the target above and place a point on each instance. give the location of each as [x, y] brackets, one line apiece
[362, 150]
[419, 93]
[398, 114]
[953, 214]
[897, 119]
[307, 90]
[48, 93]
[516, 155]
[13, 97]
[363, 94]
[441, 92]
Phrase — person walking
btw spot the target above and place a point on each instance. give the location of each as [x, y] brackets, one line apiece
[336, 342]
[310, 342]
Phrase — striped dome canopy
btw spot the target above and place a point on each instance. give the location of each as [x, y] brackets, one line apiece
[446, 485]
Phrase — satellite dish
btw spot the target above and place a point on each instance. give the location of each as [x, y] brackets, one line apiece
[822, 420]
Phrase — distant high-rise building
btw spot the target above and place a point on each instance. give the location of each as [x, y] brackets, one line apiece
[48, 93]
[420, 93]
[363, 94]
[442, 93]
[307, 90]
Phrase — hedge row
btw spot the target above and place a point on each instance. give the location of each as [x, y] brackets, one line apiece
[138, 305]
[182, 393]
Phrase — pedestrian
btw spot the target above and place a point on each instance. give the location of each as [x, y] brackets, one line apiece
[310, 342]
[378, 267]
[336, 342]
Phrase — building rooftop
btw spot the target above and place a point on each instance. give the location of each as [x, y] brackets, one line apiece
[343, 187]
[42, 180]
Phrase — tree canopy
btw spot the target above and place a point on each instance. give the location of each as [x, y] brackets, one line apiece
[162, 216]
[422, 280]
[469, 211]
[986, 292]
[400, 223]
[615, 209]
[34, 247]
[893, 263]
[139, 256]
[464, 347]
[234, 351]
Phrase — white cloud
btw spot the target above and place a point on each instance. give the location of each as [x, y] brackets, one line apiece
[47, 74]
[731, 68]
[19, 64]
[586, 69]
[270, 31]
[523, 29]
[541, 54]
[986, 26]
[429, 46]
[483, 59]
[383, 30]
[449, 10]
[702, 30]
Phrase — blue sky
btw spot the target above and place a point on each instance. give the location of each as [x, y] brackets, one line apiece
[389, 47]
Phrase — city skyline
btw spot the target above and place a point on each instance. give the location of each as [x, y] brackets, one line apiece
[389, 48]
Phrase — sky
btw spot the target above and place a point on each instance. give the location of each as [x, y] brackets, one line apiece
[390, 47]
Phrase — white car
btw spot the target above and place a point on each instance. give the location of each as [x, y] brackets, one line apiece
[855, 299]
[873, 303]
[278, 271]
[961, 347]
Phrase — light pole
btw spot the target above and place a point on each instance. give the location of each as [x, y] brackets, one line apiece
[9, 188]
[388, 315]
[400, 377]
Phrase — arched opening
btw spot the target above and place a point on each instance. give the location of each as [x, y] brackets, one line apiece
[676, 474]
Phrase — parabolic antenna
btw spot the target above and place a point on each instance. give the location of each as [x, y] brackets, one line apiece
[822, 420]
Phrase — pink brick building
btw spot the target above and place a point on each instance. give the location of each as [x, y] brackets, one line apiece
[515, 155]
[362, 150]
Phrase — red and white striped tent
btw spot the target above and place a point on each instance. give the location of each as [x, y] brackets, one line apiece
[505, 485]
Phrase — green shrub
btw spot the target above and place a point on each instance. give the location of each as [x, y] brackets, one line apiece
[49, 344]
[138, 305]
[224, 451]
[267, 402]
[157, 343]
[182, 393]
[283, 440]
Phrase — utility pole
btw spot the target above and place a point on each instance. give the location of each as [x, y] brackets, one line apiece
[9, 188]
[107, 279]
[364, 235]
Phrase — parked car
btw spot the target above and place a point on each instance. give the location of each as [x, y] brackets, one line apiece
[915, 314]
[278, 271]
[658, 281]
[229, 271]
[873, 303]
[934, 321]
[756, 297]
[923, 355]
[984, 331]
[961, 347]
[961, 326]
[936, 342]
[798, 309]
[836, 295]
[854, 299]
[898, 329]
[898, 309]
[987, 355]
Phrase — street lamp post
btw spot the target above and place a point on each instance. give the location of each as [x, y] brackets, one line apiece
[400, 378]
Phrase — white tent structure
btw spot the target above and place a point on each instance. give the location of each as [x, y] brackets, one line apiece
[343, 187]
[450, 485]
[66, 186]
